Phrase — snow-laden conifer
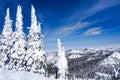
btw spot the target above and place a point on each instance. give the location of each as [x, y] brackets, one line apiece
[62, 63]
[35, 48]
[6, 41]
[19, 43]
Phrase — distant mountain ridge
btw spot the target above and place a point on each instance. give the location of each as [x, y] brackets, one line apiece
[86, 62]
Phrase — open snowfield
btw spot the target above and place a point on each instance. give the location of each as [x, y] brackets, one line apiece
[21, 75]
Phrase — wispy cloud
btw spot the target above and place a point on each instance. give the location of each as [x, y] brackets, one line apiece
[81, 15]
[70, 29]
[93, 9]
[93, 31]
[101, 5]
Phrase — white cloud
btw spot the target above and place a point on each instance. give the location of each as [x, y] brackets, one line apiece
[93, 31]
[86, 13]
[98, 6]
[101, 5]
[77, 26]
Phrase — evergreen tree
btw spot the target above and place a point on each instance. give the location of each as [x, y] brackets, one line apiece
[62, 61]
[19, 44]
[6, 41]
[35, 49]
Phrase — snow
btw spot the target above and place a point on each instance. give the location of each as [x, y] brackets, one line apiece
[19, 42]
[22, 75]
[34, 26]
[6, 39]
[62, 63]
[75, 56]
[102, 74]
[24, 53]
[8, 23]
[51, 58]
[19, 17]
[19, 51]
[112, 59]
[36, 54]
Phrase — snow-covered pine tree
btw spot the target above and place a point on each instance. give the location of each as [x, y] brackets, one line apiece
[6, 41]
[62, 63]
[19, 44]
[36, 56]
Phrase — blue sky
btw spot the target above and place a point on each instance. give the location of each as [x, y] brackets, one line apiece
[78, 23]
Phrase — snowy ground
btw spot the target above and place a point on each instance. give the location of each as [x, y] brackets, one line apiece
[21, 75]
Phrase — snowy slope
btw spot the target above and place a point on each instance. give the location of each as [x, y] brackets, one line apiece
[112, 59]
[21, 75]
[75, 56]
[17, 75]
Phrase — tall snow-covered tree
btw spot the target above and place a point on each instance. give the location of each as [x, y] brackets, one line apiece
[62, 63]
[19, 44]
[6, 41]
[35, 49]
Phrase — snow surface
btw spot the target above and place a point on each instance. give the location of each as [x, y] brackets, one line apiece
[112, 59]
[103, 74]
[75, 56]
[21, 75]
